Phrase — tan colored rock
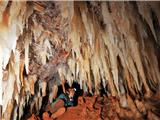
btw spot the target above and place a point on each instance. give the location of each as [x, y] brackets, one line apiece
[152, 116]
[141, 106]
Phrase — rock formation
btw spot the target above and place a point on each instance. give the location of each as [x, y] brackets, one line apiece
[113, 46]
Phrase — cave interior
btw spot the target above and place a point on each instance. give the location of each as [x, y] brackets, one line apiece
[108, 51]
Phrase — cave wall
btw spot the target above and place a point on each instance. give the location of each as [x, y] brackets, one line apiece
[114, 45]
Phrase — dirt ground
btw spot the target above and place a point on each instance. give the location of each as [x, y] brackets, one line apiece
[105, 108]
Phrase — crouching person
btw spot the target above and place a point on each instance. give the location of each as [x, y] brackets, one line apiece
[58, 107]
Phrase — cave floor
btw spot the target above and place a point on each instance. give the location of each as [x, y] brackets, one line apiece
[107, 108]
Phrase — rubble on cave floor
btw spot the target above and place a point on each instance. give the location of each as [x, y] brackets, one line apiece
[107, 108]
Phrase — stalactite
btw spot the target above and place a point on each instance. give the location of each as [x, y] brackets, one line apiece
[93, 43]
[1, 77]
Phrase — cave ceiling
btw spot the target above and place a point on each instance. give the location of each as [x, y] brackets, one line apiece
[110, 45]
